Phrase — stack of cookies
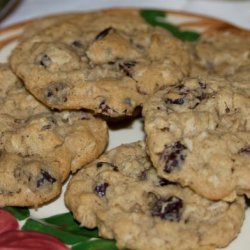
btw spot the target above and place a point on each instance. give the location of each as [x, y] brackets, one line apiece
[183, 187]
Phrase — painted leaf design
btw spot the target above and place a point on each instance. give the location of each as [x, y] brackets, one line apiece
[43, 227]
[7, 222]
[66, 222]
[20, 213]
[151, 16]
[157, 18]
[20, 240]
[96, 244]
[71, 234]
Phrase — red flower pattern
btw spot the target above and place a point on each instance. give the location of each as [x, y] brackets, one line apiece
[13, 239]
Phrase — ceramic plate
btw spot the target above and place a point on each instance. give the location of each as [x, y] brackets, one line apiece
[54, 218]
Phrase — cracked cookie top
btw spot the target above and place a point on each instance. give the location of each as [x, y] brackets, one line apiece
[221, 52]
[14, 98]
[122, 195]
[98, 62]
[196, 133]
[53, 145]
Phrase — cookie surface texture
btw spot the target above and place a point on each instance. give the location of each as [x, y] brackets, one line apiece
[44, 144]
[121, 194]
[53, 145]
[221, 52]
[85, 135]
[96, 61]
[27, 181]
[14, 98]
[198, 135]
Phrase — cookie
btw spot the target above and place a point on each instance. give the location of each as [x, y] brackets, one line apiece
[241, 78]
[121, 194]
[41, 23]
[98, 62]
[27, 181]
[85, 136]
[14, 98]
[46, 146]
[67, 140]
[198, 135]
[221, 52]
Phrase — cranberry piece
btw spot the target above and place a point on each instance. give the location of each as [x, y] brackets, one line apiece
[45, 61]
[127, 66]
[109, 164]
[178, 101]
[245, 150]
[202, 85]
[174, 156]
[103, 33]
[101, 189]
[165, 182]
[168, 208]
[45, 177]
[104, 107]
[77, 44]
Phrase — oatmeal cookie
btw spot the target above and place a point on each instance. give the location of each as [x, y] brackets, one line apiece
[42, 150]
[121, 194]
[198, 135]
[221, 52]
[68, 140]
[99, 62]
[14, 98]
[27, 181]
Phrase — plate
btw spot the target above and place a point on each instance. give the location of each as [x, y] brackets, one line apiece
[54, 218]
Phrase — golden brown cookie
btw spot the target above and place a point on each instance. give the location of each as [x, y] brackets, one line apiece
[121, 194]
[99, 62]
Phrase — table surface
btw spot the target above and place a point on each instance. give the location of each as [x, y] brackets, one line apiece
[234, 11]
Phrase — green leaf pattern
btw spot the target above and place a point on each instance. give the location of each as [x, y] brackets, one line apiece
[19, 212]
[65, 228]
[159, 18]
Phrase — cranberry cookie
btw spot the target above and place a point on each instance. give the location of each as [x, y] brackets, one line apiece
[221, 52]
[198, 135]
[50, 144]
[14, 98]
[121, 194]
[27, 181]
[99, 62]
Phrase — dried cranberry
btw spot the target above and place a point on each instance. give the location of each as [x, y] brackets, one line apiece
[56, 92]
[245, 150]
[178, 101]
[101, 189]
[127, 66]
[203, 85]
[103, 33]
[105, 108]
[109, 164]
[77, 44]
[174, 156]
[168, 208]
[45, 61]
[143, 175]
[45, 177]
[165, 182]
